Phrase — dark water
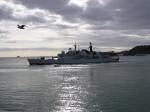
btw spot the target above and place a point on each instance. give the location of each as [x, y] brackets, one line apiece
[107, 87]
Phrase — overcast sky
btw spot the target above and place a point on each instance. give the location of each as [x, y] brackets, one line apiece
[54, 25]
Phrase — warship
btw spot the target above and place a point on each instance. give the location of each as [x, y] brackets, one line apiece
[74, 56]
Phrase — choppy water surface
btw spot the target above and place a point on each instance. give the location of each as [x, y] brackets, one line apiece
[107, 87]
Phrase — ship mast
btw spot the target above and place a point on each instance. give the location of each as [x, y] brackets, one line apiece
[75, 46]
[91, 47]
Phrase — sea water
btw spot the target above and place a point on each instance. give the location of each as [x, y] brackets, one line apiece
[105, 87]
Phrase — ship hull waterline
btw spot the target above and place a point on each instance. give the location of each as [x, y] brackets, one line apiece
[61, 62]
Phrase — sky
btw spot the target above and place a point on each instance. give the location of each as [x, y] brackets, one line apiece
[55, 25]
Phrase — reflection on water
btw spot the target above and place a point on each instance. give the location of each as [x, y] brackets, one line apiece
[73, 93]
[107, 87]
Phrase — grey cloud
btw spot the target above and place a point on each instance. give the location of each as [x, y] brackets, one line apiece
[96, 13]
[3, 35]
[120, 13]
[3, 32]
[140, 32]
[110, 39]
[56, 5]
[111, 42]
[63, 26]
[10, 41]
[28, 49]
[60, 7]
[5, 13]
[18, 41]
[33, 19]
[131, 14]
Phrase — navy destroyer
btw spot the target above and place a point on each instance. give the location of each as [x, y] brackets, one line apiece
[74, 56]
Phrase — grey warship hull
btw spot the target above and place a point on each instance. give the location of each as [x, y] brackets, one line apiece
[70, 61]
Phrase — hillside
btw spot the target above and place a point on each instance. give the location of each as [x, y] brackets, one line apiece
[138, 50]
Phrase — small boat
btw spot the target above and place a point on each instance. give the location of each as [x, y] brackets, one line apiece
[75, 56]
